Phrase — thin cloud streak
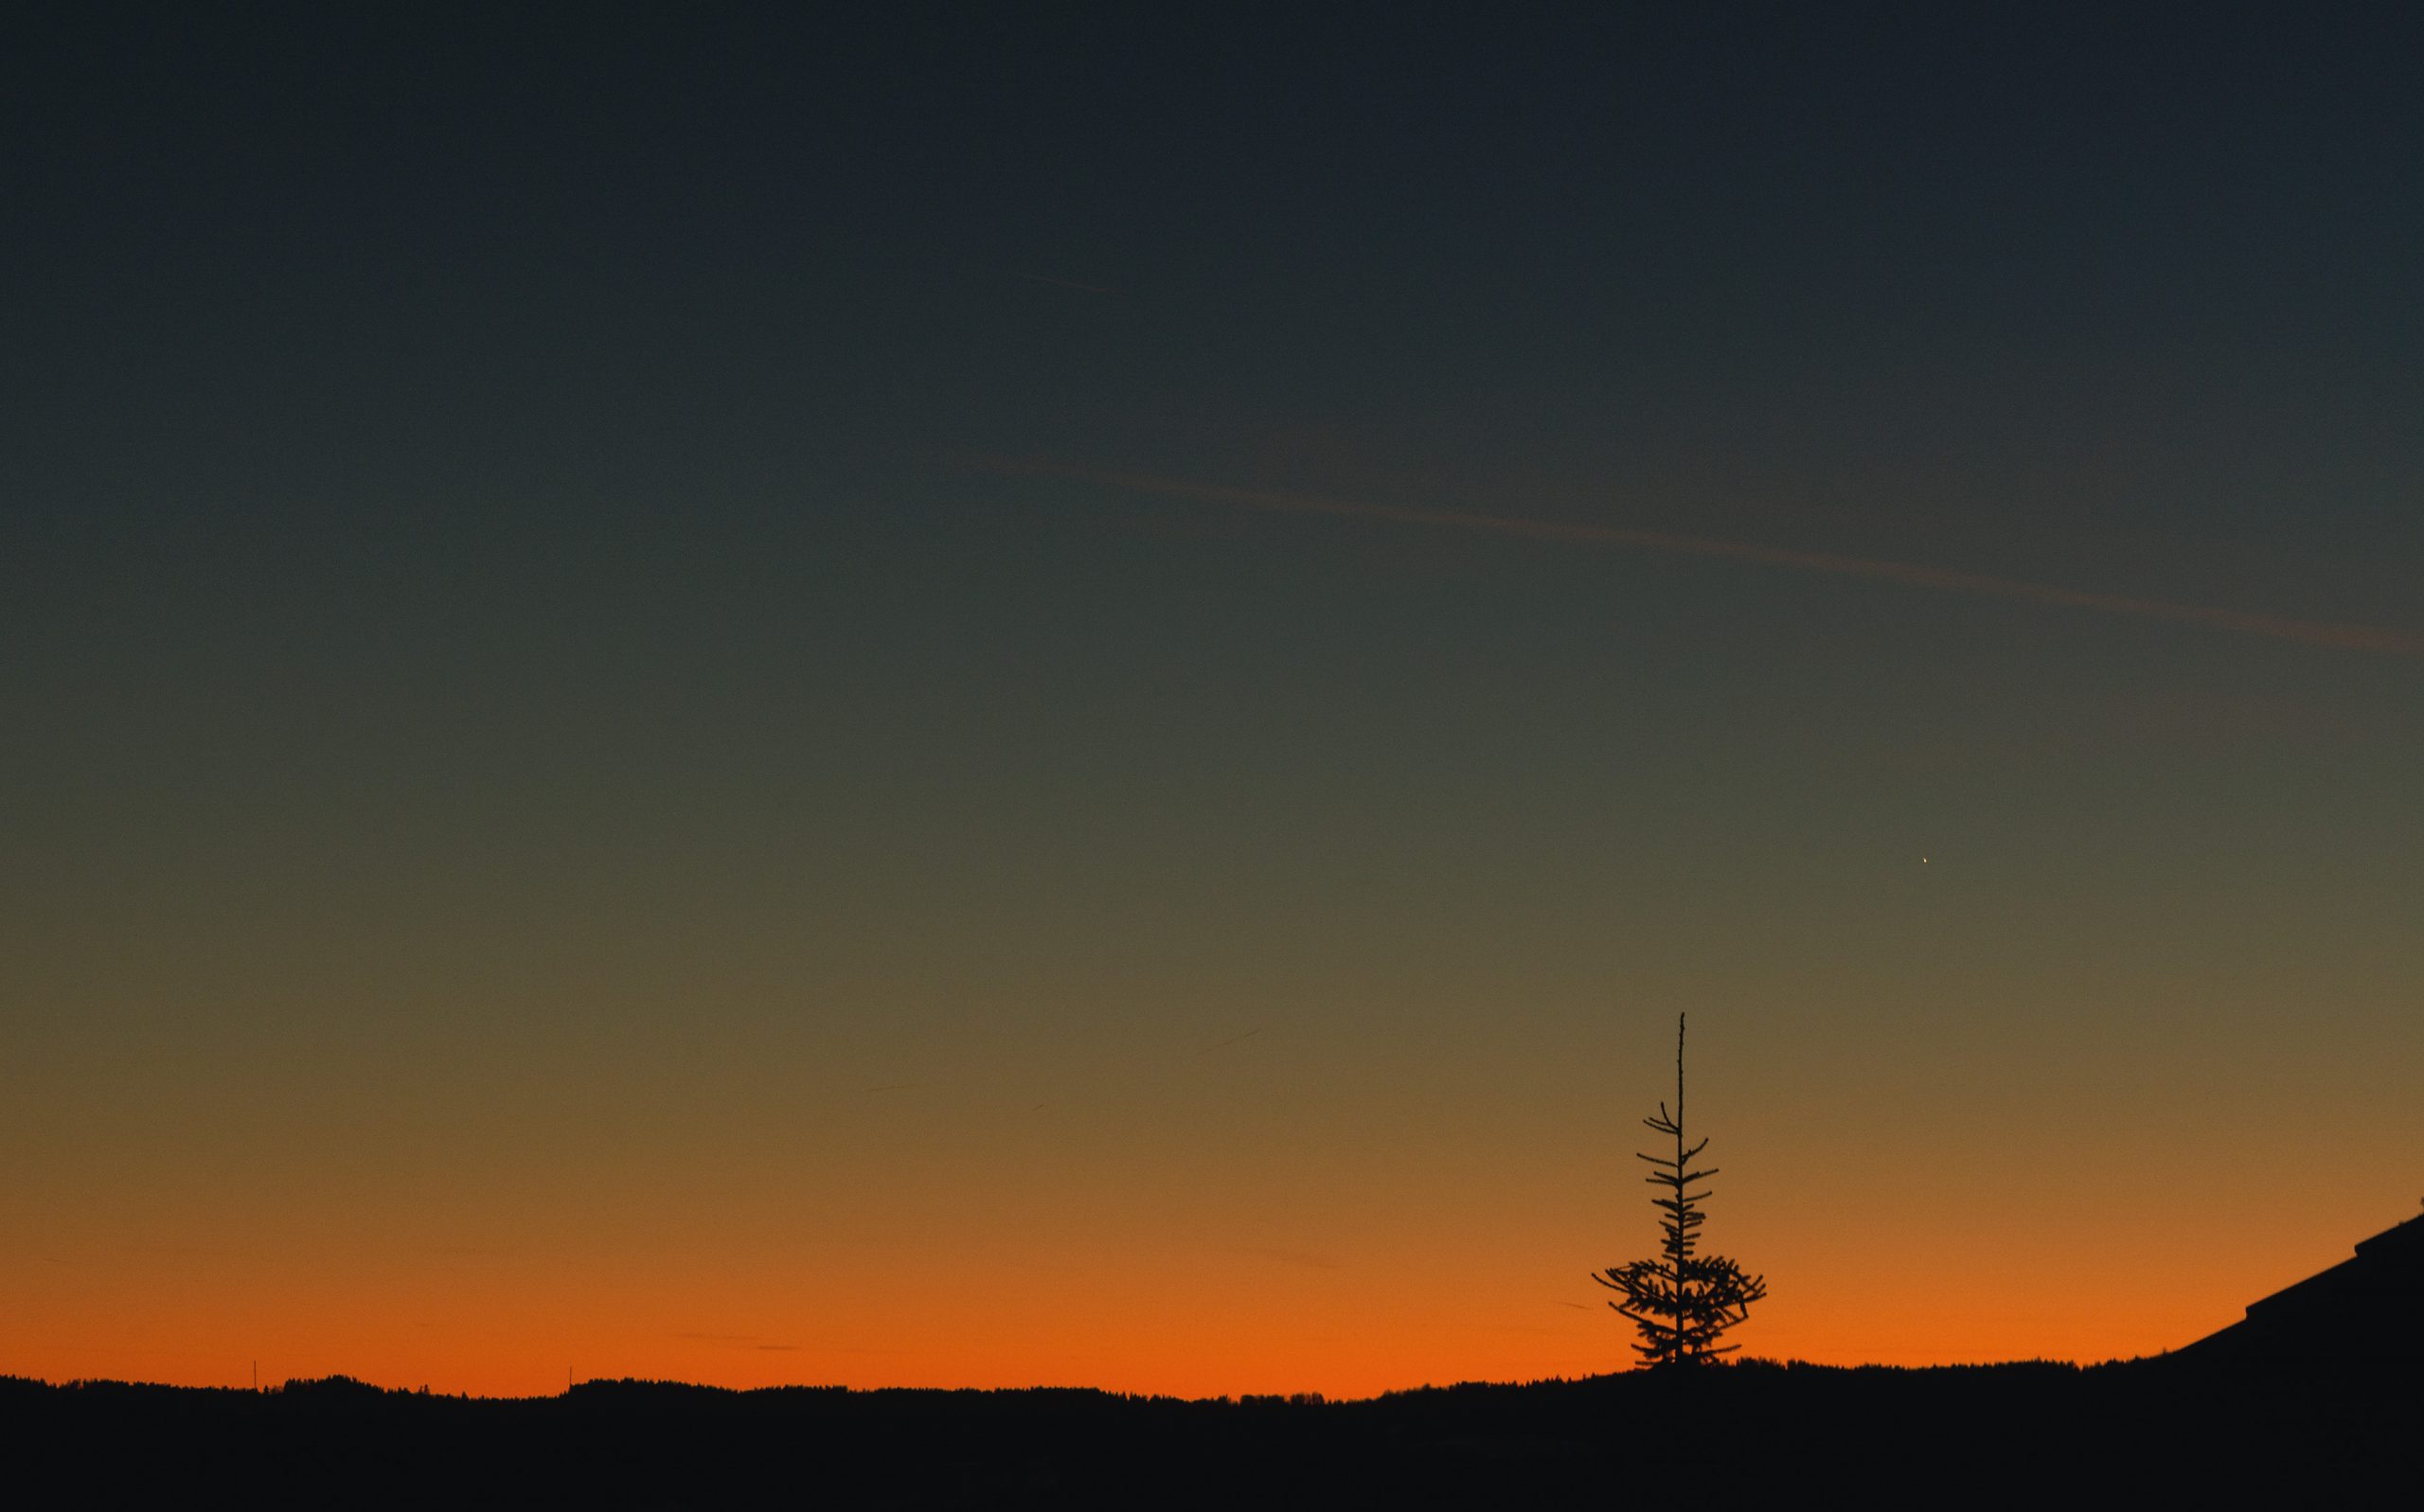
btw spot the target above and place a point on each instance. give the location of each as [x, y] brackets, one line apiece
[1916, 574]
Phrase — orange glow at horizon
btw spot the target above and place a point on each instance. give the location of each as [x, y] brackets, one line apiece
[1160, 1307]
[1344, 1334]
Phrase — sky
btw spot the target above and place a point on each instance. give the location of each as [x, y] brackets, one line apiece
[969, 698]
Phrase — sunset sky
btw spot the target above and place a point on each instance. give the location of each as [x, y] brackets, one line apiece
[1067, 696]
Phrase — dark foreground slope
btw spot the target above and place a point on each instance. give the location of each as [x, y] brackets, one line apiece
[2138, 1433]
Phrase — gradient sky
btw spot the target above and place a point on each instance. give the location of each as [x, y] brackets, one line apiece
[980, 700]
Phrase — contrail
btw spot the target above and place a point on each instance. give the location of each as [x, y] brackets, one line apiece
[1065, 283]
[1918, 574]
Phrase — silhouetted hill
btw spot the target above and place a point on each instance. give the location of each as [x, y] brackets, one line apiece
[2003, 1434]
[2365, 1312]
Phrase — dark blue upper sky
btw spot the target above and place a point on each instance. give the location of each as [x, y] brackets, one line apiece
[2035, 247]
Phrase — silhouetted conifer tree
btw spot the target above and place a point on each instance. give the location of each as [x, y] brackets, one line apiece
[1680, 1302]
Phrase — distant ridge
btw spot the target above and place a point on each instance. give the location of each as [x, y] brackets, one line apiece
[2366, 1312]
[1755, 1434]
